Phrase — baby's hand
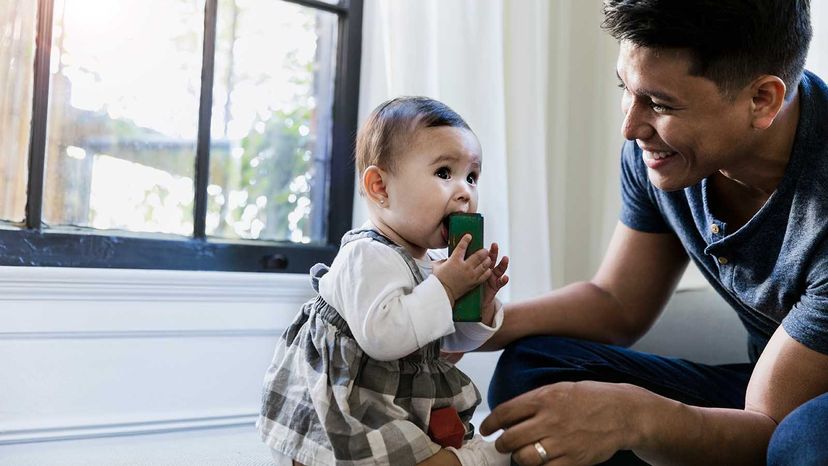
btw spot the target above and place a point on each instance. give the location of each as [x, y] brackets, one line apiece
[497, 280]
[459, 275]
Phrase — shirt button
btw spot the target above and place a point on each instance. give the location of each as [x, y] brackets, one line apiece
[715, 229]
[723, 260]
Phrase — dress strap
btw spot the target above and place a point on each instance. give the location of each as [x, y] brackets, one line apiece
[354, 235]
[316, 272]
[329, 314]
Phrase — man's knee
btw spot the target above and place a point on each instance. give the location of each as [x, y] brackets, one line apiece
[802, 437]
[505, 383]
[530, 363]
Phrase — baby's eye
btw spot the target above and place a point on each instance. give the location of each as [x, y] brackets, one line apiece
[472, 178]
[443, 172]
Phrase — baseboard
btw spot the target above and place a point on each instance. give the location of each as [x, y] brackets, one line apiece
[90, 431]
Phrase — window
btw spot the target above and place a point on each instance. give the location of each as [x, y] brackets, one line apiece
[177, 134]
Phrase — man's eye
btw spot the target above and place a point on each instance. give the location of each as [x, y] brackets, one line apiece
[659, 108]
[443, 172]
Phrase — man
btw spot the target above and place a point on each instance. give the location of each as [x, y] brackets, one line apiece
[726, 164]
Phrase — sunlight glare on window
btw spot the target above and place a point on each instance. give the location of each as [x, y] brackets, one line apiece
[123, 114]
[152, 200]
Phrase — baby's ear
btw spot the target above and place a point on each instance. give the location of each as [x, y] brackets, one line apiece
[373, 184]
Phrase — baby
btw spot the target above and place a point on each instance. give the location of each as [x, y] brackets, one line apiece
[355, 377]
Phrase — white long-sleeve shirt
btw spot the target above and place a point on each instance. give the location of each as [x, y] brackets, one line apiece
[390, 315]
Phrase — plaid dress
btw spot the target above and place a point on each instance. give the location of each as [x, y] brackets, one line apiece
[326, 402]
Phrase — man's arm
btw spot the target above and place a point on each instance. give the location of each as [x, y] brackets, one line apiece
[589, 421]
[635, 280]
[787, 374]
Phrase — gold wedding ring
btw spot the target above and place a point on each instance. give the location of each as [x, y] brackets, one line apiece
[544, 456]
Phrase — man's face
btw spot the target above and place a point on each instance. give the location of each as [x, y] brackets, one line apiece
[686, 128]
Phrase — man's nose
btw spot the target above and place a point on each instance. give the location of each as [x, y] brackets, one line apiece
[635, 125]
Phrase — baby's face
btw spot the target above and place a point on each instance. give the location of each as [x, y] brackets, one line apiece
[436, 175]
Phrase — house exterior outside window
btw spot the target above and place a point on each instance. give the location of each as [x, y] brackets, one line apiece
[177, 134]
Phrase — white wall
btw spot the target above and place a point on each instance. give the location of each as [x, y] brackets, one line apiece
[85, 353]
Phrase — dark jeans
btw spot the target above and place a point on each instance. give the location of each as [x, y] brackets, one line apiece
[802, 437]
[537, 361]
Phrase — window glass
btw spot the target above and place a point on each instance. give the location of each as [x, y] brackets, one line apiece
[123, 114]
[17, 47]
[271, 121]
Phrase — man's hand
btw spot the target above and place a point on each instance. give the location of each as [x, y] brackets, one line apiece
[495, 282]
[578, 423]
[459, 275]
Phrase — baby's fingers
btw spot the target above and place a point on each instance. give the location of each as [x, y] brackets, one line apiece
[485, 275]
[483, 270]
[460, 250]
[500, 269]
[498, 282]
[480, 256]
[493, 251]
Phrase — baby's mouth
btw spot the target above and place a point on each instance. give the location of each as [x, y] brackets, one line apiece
[444, 229]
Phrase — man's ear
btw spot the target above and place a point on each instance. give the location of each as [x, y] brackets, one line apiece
[373, 184]
[767, 98]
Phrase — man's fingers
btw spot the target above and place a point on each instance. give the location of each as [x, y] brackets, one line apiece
[508, 413]
[523, 433]
[529, 455]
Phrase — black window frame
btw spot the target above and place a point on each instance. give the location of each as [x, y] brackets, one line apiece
[33, 245]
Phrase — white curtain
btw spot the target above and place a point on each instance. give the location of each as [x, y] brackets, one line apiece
[818, 55]
[535, 81]
[450, 51]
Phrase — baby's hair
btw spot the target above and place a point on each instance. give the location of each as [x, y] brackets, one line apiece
[390, 126]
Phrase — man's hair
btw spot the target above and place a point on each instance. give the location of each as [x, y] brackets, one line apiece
[732, 42]
[389, 128]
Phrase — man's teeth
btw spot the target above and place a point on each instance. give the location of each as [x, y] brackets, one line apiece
[658, 155]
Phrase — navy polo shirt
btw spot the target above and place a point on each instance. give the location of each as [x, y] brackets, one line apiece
[774, 269]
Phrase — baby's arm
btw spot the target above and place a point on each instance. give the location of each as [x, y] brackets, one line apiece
[443, 457]
[471, 335]
[468, 336]
[478, 451]
[475, 452]
[371, 286]
[459, 274]
[497, 280]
